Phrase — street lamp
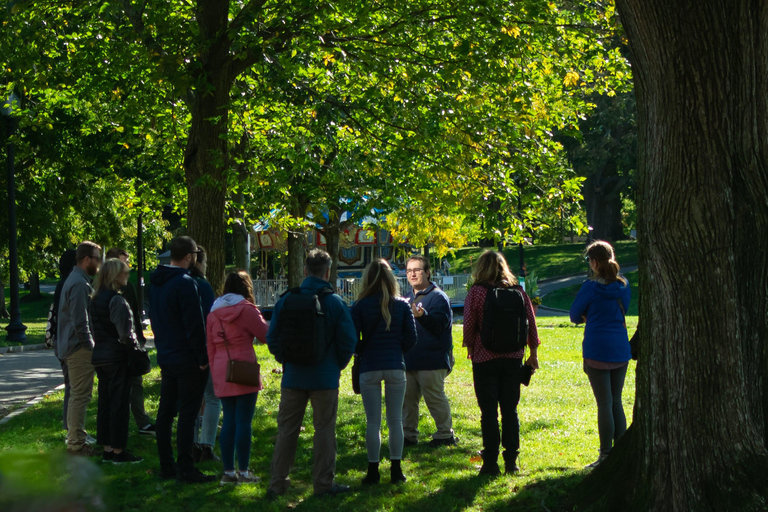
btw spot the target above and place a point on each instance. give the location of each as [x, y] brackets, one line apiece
[16, 330]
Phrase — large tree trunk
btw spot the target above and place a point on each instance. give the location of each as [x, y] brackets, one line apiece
[698, 441]
[3, 309]
[205, 157]
[296, 245]
[602, 198]
[34, 287]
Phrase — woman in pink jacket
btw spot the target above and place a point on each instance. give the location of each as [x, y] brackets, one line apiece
[235, 320]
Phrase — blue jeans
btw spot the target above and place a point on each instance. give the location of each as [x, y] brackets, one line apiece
[207, 425]
[394, 393]
[607, 386]
[236, 430]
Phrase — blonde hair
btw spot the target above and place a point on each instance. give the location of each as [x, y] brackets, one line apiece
[378, 279]
[492, 268]
[607, 266]
[107, 276]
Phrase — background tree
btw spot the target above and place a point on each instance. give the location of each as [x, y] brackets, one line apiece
[698, 439]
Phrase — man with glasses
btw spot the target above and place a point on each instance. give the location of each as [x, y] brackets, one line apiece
[74, 343]
[429, 362]
[179, 328]
[143, 421]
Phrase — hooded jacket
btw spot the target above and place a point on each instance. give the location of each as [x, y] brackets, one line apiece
[434, 348]
[341, 343]
[177, 318]
[241, 321]
[605, 333]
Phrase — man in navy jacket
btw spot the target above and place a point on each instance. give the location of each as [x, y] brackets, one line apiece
[179, 328]
[316, 383]
[430, 361]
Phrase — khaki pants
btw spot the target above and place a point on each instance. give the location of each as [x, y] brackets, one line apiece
[81, 374]
[293, 403]
[431, 385]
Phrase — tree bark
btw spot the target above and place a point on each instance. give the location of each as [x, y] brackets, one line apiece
[3, 308]
[698, 440]
[296, 247]
[34, 287]
[602, 198]
[205, 156]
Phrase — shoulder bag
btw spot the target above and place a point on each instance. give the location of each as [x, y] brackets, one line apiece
[241, 372]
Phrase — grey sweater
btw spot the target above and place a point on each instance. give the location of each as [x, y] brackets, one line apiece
[74, 329]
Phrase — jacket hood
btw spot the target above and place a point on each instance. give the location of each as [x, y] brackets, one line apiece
[227, 300]
[612, 290]
[228, 313]
[165, 273]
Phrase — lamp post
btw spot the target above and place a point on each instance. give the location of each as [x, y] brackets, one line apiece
[16, 330]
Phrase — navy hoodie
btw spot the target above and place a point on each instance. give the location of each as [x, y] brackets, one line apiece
[605, 334]
[177, 318]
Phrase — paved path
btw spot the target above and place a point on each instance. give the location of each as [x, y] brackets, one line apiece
[26, 375]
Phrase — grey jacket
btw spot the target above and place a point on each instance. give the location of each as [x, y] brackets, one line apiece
[74, 329]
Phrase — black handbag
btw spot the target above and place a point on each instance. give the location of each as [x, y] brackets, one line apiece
[138, 361]
[241, 372]
[356, 375]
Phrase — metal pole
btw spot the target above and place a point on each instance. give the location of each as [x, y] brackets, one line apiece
[16, 329]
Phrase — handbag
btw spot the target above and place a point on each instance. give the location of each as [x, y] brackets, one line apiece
[138, 361]
[241, 372]
[356, 375]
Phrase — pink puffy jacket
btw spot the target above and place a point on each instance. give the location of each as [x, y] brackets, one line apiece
[242, 322]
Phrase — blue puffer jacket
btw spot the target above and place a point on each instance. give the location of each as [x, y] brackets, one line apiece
[177, 317]
[383, 349]
[343, 339]
[435, 339]
[605, 335]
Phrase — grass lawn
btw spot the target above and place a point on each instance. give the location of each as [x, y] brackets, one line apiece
[547, 260]
[558, 438]
[563, 298]
[33, 314]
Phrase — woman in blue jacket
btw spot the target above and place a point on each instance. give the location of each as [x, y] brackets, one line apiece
[602, 302]
[388, 329]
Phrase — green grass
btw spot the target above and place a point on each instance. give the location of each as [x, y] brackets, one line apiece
[558, 437]
[547, 260]
[563, 298]
[33, 314]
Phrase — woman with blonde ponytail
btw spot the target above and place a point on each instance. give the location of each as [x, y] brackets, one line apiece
[602, 303]
[386, 329]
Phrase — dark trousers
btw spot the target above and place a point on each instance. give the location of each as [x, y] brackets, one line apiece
[114, 405]
[65, 371]
[497, 386]
[236, 430]
[607, 386]
[137, 402]
[181, 386]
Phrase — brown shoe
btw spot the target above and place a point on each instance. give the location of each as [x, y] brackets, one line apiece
[86, 451]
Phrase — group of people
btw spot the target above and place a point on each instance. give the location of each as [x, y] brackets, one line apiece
[404, 343]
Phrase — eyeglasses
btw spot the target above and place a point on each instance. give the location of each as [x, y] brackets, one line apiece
[586, 258]
[415, 271]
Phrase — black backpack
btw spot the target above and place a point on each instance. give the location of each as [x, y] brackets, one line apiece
[505, 320]
[303, 328]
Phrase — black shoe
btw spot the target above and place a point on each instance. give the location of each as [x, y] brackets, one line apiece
[336, 489]
[408, 442]
[490, 469]
[125, 457]
[206, 453]
[450, 441]
[272, 494]
[373, 476]
[148, 430]
[107, 456]
[195, 476]
[396, 473]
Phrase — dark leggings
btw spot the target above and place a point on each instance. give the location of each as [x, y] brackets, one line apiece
[607, 386]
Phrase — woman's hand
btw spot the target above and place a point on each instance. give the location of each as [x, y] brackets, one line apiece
[533, 362]
[470, 352]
